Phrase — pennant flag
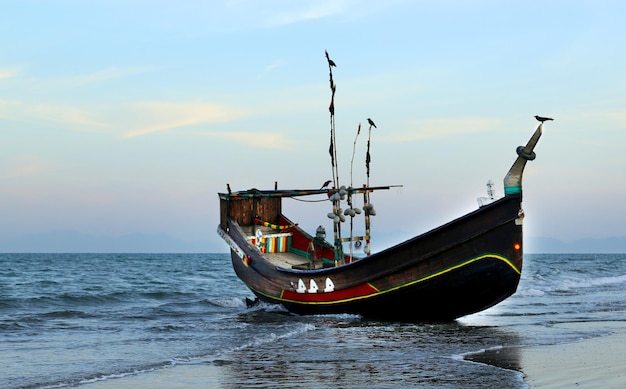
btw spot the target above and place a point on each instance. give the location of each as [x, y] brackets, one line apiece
[330, 151]
[368, 159]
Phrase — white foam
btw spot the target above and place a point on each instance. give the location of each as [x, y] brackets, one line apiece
[592, 282]
[234, 302]
[541, 286]
[530, 292]
[106, 377]
[461, 357]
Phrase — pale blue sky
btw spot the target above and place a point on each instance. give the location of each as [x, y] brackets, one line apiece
[123, 117]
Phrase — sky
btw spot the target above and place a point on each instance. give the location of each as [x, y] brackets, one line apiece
[124, 119]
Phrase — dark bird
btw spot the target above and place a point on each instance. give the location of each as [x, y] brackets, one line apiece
[542, 119]
[325, 184]
[331, 63]
[371, 122]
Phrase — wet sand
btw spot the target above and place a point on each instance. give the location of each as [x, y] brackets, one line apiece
[592, 362]
[196, 376]
[598, 362]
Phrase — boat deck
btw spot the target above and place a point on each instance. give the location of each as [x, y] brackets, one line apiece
[289, 260]
[286, 259]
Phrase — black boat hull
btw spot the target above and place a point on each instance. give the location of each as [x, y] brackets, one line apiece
[462, 267]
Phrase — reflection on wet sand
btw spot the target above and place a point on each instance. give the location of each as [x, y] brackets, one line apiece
[361, 354]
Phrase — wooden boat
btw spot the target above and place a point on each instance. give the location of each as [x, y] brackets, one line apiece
[462, 267]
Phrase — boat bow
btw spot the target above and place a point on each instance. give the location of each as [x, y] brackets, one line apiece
[513, 179]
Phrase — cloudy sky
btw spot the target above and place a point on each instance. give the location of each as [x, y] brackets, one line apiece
[125, 118]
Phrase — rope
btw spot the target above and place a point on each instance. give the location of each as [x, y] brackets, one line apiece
[308, 201]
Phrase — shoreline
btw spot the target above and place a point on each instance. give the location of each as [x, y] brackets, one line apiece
[597, 361]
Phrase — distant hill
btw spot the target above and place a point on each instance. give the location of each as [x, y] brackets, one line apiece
[75, 242]
[543, 245]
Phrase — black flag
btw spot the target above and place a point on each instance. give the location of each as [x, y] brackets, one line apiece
[330, 151]
[368, 159]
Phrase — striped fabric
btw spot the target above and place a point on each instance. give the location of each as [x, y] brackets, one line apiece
[273, 243]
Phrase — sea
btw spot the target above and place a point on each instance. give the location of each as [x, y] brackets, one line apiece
[82, 320]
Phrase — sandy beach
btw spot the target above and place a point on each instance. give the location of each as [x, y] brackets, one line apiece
[597, 362]
[591, 363]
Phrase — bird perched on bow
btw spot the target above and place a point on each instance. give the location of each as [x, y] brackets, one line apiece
[331, 63]
[542, 119]
[371, 122]
[325, 185]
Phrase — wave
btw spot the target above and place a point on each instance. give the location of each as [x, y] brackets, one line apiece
[232, 302]
[271, 338]
[171, 328]
[592, 282]
[70, 300]
[101, 377]
[540, 285]
[217, 358]
[530, 292]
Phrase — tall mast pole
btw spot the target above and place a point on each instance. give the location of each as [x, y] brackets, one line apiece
[334, 165]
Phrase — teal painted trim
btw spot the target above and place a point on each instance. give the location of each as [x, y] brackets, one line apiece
[512, 190]
[299, 252]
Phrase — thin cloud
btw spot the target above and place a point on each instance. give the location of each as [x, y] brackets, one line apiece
[77, 117]
[315, 10]
[104, 75]
[7, 73]
[443, 128]
[165, 116]
[143, 118]
[25, 166]
[44, 113]
[259, 140]
[7, 108]
[312, 11]
[274, 65]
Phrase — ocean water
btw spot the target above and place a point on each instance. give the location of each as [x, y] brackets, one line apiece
[76, 320]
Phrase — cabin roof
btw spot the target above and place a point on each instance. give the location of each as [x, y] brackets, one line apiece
[253, 192]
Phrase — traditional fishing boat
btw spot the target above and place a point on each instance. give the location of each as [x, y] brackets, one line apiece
[459, 268]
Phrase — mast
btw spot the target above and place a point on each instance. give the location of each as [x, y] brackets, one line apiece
[335, 167]
[352, 211]
[339, 192]
[367, 206]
